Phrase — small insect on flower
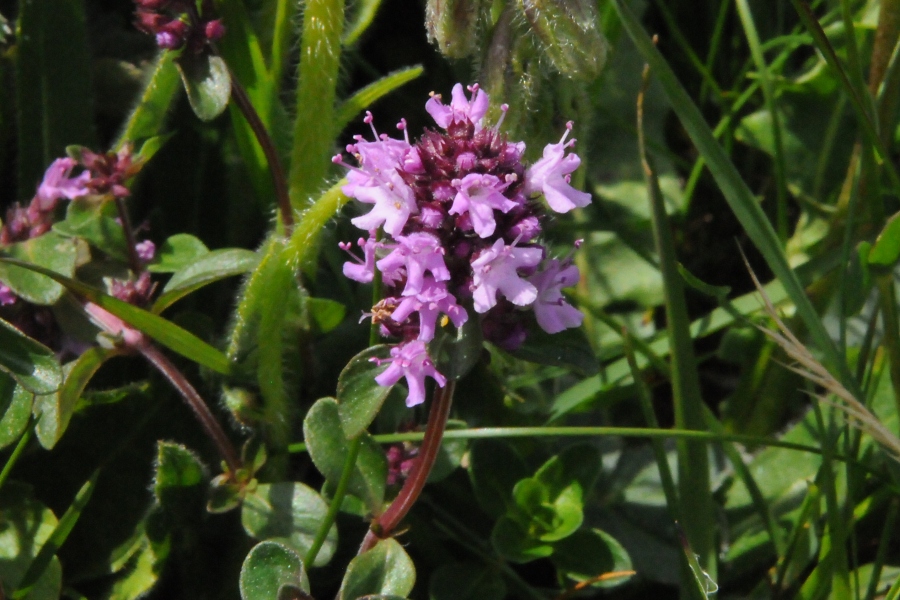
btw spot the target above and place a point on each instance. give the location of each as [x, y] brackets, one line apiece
[461, 214]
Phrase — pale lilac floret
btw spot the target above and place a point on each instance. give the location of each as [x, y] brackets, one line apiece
[410, 360]
[552, 311]
[478, 195]
[551, 176]
[57, 183]
[7, 296]
[146, 250]
[420, 253]
[394, 203]
[431, 301]
[361, 271]
[495, 270]
[460, 107]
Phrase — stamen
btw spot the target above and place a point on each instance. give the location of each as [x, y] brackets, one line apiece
[402, 127]
[503, 109]
[370, 121]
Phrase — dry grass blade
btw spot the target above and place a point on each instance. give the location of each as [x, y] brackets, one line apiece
[807, 366]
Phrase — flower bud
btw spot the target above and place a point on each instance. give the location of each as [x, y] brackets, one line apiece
[214, 30]
[571, 35]
[453, 25]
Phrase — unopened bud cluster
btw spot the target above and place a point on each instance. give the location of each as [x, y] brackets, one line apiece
[461, 215]
[177, 24]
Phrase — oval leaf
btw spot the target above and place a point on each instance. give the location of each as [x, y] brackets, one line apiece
[359, 396]
[386, 570]
[15, 404]
[268, 567]
[30, 363]
[207, 269]
[291, 513]
[50, 251]
[327, 447]
[589, 553]
[207, 82]
[176, 253]
[886, 250]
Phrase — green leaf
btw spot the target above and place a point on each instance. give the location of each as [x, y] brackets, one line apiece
[326, 314]
[268, 567]
[367, 96]
[466, 581]
[95, 222]
[52, 415]
[30, 526]
[327, 446]
[549, 514]
[513, 542]
[568, 348]
[385, 570]
[30, 363]
[53, 86]
[177, 468]
[50, 251]
[147, 119]
[290, 513]
[166, 333]
[359, 396]
[176, 253]
[578, 463]
[494, 468]
[209, 268]
[15, 404]
[591, 552]
[47, 554]
[886, 250]
[207, 82]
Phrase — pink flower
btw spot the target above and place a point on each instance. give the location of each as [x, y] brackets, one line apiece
[460, 107]
[479, 195]
[57, 184]
[552, 311]
[363, 272]
[429, 302]
[410, 360]
[420, 253]
[7, 296]
[146, 250]
[394, 203]
[551, 176]
[495, 270]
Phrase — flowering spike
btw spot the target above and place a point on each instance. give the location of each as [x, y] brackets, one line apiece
[460, 233]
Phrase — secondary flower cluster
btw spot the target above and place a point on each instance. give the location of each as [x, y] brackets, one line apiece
[176, 24]
[103, 176]
[461, 219]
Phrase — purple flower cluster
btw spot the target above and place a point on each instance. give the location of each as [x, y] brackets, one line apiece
[176, 24]
[103, 176]
[460, 212]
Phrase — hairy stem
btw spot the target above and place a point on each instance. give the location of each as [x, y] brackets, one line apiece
[195, 402]
[412, 488]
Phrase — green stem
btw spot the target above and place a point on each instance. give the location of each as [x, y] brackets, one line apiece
[415, 483]
[133, 259]
[16, 453]
[693, 462]
[335, 507]
[762, 68]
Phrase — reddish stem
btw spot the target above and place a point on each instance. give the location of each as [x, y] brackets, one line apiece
[137, 266]
[268, 147]
[194, 401]
[421, 469]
